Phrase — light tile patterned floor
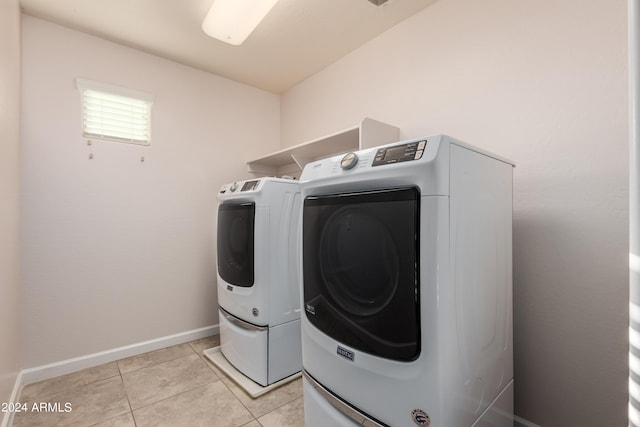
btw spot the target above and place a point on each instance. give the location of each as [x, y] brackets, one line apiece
[174, 387]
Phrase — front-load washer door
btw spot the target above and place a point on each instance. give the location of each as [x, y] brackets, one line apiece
[360, 270]
[236, 243]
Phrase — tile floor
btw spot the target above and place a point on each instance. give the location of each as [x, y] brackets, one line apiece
[176, 386]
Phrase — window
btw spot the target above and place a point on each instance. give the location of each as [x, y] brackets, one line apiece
[115, 113]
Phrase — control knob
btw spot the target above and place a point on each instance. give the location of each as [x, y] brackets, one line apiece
[233, 187]
[349, 161]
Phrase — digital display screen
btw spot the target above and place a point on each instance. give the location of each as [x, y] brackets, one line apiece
[395, 152]
[249, 185]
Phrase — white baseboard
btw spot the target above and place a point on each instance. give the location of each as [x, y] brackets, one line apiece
[39, 373]
[7, 419]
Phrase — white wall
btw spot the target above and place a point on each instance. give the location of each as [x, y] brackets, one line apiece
[545, 84]
[9, 196]
[117, 251]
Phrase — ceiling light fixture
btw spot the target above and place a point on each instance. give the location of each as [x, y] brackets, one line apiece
[231, 21]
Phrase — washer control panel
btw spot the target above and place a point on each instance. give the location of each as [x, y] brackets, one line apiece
[240, 186]
[399, 153]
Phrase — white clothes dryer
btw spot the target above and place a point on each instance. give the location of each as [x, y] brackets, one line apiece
[258, 287]
[407, 287]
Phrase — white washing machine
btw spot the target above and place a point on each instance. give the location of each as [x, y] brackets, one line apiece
[258, 287]
[407, 287]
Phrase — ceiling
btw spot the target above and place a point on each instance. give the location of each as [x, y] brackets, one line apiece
[295, 40]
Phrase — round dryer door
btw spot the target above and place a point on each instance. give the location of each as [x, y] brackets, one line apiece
[360, 270]
[236, 243]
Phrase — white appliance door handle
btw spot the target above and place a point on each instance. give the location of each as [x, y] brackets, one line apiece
[241, 323]
[341, 406]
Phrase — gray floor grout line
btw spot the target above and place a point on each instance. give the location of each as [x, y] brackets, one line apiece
[172, 396]
[133, 417]
[249, 410]
[42, 397]
[141, 354]
[238, 399]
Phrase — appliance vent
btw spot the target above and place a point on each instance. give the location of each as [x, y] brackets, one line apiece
[378, 2]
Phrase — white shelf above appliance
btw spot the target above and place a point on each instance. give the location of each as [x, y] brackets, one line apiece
[290, 161]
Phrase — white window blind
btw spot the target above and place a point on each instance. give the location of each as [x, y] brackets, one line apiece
[115, 113]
